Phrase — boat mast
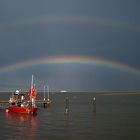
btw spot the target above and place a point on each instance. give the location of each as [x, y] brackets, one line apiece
[31, 102]
[32, 81]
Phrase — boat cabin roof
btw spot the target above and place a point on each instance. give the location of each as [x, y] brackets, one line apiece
[20, 94]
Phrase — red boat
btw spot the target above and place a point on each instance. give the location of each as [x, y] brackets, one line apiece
[26, 110]
[23, 103]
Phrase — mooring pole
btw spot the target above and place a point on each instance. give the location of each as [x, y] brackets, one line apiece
[66, 106]
[44, 105]
[94, 104]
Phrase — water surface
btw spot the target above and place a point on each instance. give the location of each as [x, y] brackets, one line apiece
[113, 117]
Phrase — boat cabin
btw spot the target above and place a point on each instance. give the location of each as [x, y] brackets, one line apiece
[18, 98]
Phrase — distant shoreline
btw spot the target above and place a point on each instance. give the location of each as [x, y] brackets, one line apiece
[118, 93]
[84, 92]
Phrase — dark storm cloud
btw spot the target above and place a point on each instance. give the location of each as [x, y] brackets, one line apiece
[105, 29]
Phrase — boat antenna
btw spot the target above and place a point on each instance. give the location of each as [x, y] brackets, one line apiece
[32, 82]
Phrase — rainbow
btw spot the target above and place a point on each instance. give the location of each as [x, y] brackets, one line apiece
[80, 20]
[68, 59]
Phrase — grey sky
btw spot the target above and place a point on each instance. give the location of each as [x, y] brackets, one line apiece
[106, 29]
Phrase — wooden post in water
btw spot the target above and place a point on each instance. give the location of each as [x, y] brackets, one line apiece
[94, 104]
[44, 105]
[66, 106]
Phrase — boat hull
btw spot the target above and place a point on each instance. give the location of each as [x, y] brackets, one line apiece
[17, 109]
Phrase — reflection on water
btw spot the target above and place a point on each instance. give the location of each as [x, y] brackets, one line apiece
[66, 117]
[23, 126]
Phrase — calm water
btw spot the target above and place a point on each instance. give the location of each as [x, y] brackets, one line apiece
[115, 117]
